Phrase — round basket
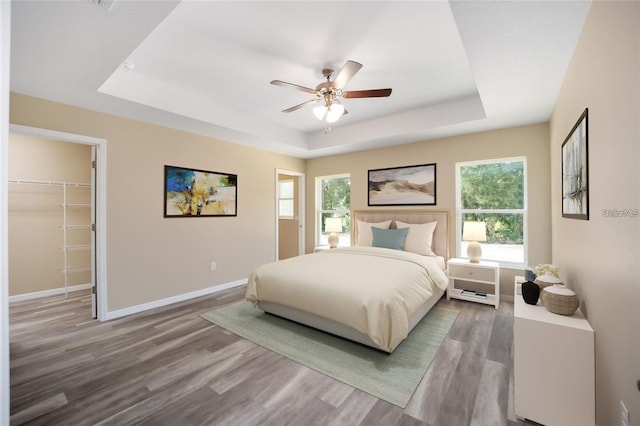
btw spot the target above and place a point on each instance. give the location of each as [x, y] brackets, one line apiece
[546, 280]
[559, 300]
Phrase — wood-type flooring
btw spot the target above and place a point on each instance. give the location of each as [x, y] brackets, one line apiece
[168, 366]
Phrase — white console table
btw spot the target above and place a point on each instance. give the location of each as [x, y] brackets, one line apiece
[554, 365]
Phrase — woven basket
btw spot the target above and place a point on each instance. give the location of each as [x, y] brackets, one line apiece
[563, 304]
[546, 280]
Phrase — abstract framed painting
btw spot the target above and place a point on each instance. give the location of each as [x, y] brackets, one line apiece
[403, 186]
[199, 193]
[575, 170]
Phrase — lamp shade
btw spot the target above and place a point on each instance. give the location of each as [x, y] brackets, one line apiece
[320, 111]
[333, 224]
[474, 231]
[330, 111]
[336, 109]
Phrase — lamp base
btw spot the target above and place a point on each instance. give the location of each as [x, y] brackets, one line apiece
[333, 240]
[474, 252]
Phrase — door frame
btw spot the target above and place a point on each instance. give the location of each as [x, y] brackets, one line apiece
[301, 213]
[100, 234]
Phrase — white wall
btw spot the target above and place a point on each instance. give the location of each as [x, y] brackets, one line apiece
[600, 257]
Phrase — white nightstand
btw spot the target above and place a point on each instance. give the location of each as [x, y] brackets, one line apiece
[320, 248]
[483, 272]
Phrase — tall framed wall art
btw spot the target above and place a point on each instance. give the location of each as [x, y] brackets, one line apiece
[575, 170]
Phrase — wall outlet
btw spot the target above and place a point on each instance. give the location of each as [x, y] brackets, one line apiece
[213, 266]
[625, 419]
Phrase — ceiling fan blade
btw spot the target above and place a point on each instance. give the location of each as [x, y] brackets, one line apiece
[376, 93]
[297, 107]
[347, 72]
[295, 86]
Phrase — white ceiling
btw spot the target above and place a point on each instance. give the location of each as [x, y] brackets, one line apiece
[204, 66]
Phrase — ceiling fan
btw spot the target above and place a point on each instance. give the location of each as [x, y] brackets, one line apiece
[329, 107]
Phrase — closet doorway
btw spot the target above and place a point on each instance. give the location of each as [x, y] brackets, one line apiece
[54, 209]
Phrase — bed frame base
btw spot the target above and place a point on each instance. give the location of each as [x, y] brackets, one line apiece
[339, 329]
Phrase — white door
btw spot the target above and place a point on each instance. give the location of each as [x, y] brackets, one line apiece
[94, 290]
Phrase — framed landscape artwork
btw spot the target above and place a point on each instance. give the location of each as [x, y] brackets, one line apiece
[199, 193]
[575, 170]
[403, 186]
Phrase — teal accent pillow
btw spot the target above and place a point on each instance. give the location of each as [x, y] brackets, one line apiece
[389, 238]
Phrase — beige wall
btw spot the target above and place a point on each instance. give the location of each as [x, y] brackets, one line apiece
[530, 141]
[36, 214]
[600, 258]
[150, 258]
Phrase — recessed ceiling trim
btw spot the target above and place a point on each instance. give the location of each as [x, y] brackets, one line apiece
[162, 95]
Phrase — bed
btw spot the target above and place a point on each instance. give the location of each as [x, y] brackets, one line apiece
[369, 293]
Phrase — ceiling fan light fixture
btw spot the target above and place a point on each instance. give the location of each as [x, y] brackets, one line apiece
[334, 112]
[329, 108]
[320, 111]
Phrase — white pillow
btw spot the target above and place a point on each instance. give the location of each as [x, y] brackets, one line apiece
[365, 236]
[419, 238]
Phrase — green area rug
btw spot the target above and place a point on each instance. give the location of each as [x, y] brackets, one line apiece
[391, 377]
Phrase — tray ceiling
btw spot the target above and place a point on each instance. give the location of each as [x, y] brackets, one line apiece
[205, 66]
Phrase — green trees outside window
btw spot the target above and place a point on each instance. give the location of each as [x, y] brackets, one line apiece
[494, 192]
[334, 201]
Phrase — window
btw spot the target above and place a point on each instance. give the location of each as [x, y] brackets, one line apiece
[285, 199]
[333, 200]
[494, 192]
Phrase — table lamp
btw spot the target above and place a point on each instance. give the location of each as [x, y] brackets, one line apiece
[333, 225]
[474, 232]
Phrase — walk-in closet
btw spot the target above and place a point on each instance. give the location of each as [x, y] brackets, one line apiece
[51, 249]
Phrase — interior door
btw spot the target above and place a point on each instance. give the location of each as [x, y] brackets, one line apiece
[289, 214]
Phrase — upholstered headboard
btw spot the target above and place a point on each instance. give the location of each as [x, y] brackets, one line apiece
[440, 234]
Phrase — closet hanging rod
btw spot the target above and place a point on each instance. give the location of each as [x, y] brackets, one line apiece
[47, 182]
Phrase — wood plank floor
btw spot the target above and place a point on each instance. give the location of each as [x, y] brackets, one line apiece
[167, 366]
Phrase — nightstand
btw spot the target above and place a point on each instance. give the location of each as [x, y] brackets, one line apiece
[320, 248]
[483, 272]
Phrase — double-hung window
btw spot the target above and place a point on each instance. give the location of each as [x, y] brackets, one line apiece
[333, 199]
[494, 192]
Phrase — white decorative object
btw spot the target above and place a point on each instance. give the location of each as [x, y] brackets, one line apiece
[560, 290]
[543, 268]
[474, 232]
[547, 279]
[554, 366]
[365, 236]
[333, 225]
[420, 237]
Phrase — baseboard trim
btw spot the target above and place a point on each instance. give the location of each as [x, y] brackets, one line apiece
[47, 293]
[174, 299]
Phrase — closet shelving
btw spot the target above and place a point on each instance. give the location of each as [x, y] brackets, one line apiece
[66, 227]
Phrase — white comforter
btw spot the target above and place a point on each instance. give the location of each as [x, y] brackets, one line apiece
[373, 290]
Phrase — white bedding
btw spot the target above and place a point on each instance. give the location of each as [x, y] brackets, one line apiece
[374, 290]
